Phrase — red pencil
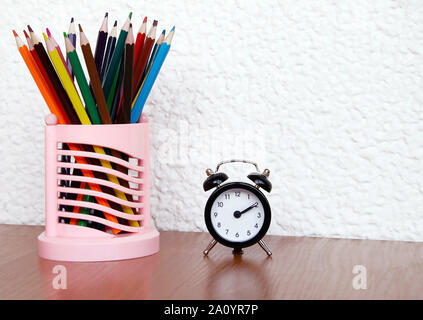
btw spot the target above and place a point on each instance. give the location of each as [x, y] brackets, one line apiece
[139, 42]
[38, 78]
[43, 70]
[142, 61]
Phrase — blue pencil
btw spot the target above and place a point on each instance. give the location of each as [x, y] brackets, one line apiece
[151, 76]
[154, 53]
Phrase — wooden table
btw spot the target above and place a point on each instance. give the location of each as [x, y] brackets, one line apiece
[300, 268]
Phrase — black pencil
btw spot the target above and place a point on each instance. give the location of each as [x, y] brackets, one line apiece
[124, 115]
[118, 92]
[110, 48]
[54, 78]
[101, 44]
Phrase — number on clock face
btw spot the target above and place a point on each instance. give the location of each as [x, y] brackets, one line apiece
[237, 215]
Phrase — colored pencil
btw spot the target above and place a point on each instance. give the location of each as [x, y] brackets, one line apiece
[154, 52]
[139, 42]
[51, 73]
[67, 82]
[117, 55]
[104, 114]
[115, 101]
[82, 82]
[143, 59]
[66, 104]
[72, 38]
[101, 43]
[111, 43]
[84, 119]
[121, 73]
[38, 78]
[55, 86]
[110, 98]
[77, 105]
[116, 87]
[74, 184]
[56, 110]
[125, 112]
[84, 210]
[59, 51]
[42, 70]
[56, 98]
[151, 76]
[95, 78]
[77, 209]
[80, 197]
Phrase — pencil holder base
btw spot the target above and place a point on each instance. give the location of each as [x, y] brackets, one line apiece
[128, 246]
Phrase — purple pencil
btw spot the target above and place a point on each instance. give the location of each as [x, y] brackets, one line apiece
[72, 38]
[101, 44]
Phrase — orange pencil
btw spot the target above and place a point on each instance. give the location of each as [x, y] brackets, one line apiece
[43, 72]
[39, 80]
[54, 108]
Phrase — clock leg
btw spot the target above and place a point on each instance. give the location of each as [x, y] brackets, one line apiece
[264, 246]
[210, 246]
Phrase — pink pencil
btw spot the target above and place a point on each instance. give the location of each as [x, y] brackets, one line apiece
[56, 45]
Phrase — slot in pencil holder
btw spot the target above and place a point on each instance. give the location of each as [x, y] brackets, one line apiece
[120, 226]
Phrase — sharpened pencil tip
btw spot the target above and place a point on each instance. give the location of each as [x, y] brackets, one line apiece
[155, 23]
[26, 34]
[72, 20]
[14, 33]
[173, 29]
[164, 31]
[145, 20]
[48, 33]
[115, 24]
[30, 29]
[106, 15]
[130, 15]
[65, 35]
[80, 28]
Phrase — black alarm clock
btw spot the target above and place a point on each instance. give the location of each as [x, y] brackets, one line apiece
[237, 214]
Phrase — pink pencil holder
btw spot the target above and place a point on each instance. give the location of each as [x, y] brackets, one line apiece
[65, 241]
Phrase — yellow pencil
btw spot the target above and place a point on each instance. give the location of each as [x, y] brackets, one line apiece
[67, 84]
[83, 117]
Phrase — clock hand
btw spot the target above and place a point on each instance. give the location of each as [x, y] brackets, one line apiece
[238, 214]
[249, 208]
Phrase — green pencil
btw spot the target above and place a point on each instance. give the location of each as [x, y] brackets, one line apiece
[116, 58]
[85, 210]
[113, 89]
[82, 82]
[89, 101]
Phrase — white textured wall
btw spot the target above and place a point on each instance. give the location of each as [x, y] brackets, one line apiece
[326, 94]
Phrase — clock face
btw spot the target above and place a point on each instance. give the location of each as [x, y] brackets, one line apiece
[237, 214]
